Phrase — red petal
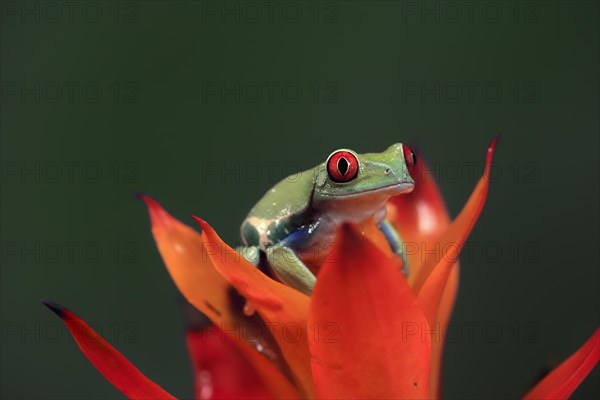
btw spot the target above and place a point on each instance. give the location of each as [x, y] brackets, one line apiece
[453, 238]
[564, 379]
[431, 279]
[107, 360]
[367, 331]
[182, 250]
[420, 217]
[281, 307]
[221, 371]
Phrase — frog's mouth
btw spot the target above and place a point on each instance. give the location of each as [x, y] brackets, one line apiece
[393, 189]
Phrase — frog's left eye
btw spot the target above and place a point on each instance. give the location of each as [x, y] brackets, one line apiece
[342, 166]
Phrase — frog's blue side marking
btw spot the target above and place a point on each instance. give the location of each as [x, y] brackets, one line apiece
[393, 238]
[298, 238]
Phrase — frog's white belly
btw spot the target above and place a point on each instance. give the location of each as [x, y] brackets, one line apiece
[263, 226]
[318, 244]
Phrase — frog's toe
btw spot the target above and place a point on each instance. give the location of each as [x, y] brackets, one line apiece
[250, 253]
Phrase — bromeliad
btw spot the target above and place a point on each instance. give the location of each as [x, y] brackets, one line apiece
[339, 307]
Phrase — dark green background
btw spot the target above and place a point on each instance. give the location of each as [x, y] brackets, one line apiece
[542, 212]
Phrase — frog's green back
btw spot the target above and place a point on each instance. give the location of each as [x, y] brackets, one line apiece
[276, 213]
[289, 197]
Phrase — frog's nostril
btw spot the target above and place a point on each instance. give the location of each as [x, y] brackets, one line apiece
[387, 171]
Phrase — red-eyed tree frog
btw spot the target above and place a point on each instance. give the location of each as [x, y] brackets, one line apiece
[291, 228]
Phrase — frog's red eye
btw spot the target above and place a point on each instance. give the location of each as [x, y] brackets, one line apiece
[342, 166]
[409, 158]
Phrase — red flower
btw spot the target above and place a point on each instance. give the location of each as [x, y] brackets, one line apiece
[360, 334]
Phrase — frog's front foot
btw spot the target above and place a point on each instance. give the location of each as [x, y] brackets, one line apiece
[289, 269]
[250, 253]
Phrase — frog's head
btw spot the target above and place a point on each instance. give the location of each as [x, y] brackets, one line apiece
[347, 174]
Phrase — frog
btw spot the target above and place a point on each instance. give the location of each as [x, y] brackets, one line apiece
[288, 229]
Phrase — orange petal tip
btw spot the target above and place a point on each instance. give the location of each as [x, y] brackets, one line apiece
[158, 215]
[491, 149]
[203, 224]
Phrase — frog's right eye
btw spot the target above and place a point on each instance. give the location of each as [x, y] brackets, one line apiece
[342, 166]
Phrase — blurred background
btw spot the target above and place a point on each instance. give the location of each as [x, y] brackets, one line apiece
[206, 104]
